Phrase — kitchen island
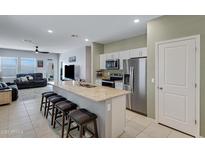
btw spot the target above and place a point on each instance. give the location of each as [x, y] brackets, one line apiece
[108, 104]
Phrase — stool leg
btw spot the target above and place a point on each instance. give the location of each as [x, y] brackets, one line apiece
[52, 114]
[95, 128]
[81, 131]
[41, 103]
[47, 110]
[63, 125]
[45, 107]
[69, 123]
[55, 117]
[84, 130]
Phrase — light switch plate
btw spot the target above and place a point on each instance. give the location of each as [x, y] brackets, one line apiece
[153, 80]
[108, 107]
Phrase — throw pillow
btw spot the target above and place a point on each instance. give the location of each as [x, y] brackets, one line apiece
[29, 77]
[24, 79]
[4, 84]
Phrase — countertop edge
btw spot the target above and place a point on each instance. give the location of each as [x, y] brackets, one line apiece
[101, 100]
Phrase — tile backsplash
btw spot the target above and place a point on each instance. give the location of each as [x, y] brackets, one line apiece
[105, 74]
[114, 71]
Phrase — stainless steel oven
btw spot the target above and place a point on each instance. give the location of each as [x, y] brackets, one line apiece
[108, 83]
[113, 64]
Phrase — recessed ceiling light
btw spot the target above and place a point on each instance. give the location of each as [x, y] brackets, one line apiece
[136, 20]
[86, 40]
[50, 31]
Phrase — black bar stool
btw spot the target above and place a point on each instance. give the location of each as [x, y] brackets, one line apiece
[62, 109]
[51, 105]
[44, 98]
[82, 117]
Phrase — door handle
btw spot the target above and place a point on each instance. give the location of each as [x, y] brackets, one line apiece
[131, 79]
[160, 88]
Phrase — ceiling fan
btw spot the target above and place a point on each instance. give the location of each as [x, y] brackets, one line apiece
[37, 51]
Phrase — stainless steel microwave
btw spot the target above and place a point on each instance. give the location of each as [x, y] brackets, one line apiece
[113, 64]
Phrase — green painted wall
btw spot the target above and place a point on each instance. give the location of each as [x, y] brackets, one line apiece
[96, 50]
[170, 27]
[130, 43]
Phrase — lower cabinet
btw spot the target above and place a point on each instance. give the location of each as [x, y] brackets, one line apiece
[5, 96]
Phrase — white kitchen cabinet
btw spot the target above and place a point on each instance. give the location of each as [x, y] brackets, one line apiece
[108, 56]
[98, 82]
[119, 85]
[140, 52]
[102, 61]
[134, 53]
[123, 55]
[114, 55]
[143, 52]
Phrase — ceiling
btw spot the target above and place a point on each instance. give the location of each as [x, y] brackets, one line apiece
[14, 30]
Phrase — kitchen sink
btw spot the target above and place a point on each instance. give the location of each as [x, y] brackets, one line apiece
[87, 85]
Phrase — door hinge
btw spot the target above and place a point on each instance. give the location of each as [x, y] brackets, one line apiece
[195, 85]
[195, 122]
[195, 49]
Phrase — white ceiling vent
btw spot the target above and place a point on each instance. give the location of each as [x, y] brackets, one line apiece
[74, 36]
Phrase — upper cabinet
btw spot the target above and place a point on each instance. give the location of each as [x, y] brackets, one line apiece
[140, 52]
[123, 55]
[133, 53]
[114, 55]
[143, 52]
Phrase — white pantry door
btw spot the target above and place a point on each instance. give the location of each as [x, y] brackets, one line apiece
[176, 80]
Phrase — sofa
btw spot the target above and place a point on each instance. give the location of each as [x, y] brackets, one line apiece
[30, 80]
[11, 86]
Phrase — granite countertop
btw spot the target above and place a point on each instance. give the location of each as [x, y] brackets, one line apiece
[97, 93]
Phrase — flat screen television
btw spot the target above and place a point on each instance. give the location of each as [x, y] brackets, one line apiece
[69, 71]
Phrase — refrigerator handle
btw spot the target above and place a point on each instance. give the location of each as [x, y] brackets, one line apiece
[131, 79]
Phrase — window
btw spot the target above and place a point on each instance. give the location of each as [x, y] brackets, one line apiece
[0, 64]
[28, 65]
[8, 66]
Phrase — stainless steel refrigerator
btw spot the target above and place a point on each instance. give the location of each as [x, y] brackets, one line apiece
[135, 80]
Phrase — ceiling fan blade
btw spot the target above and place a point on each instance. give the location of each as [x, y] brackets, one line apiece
[44, 52]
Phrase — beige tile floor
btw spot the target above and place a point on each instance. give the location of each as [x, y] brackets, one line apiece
[22, 119]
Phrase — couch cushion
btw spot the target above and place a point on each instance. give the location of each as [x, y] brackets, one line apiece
[20, 75]
[3, 84]
[24, 79]
[18, 80]
[29, 77]
[38, 76]
[38, 81]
